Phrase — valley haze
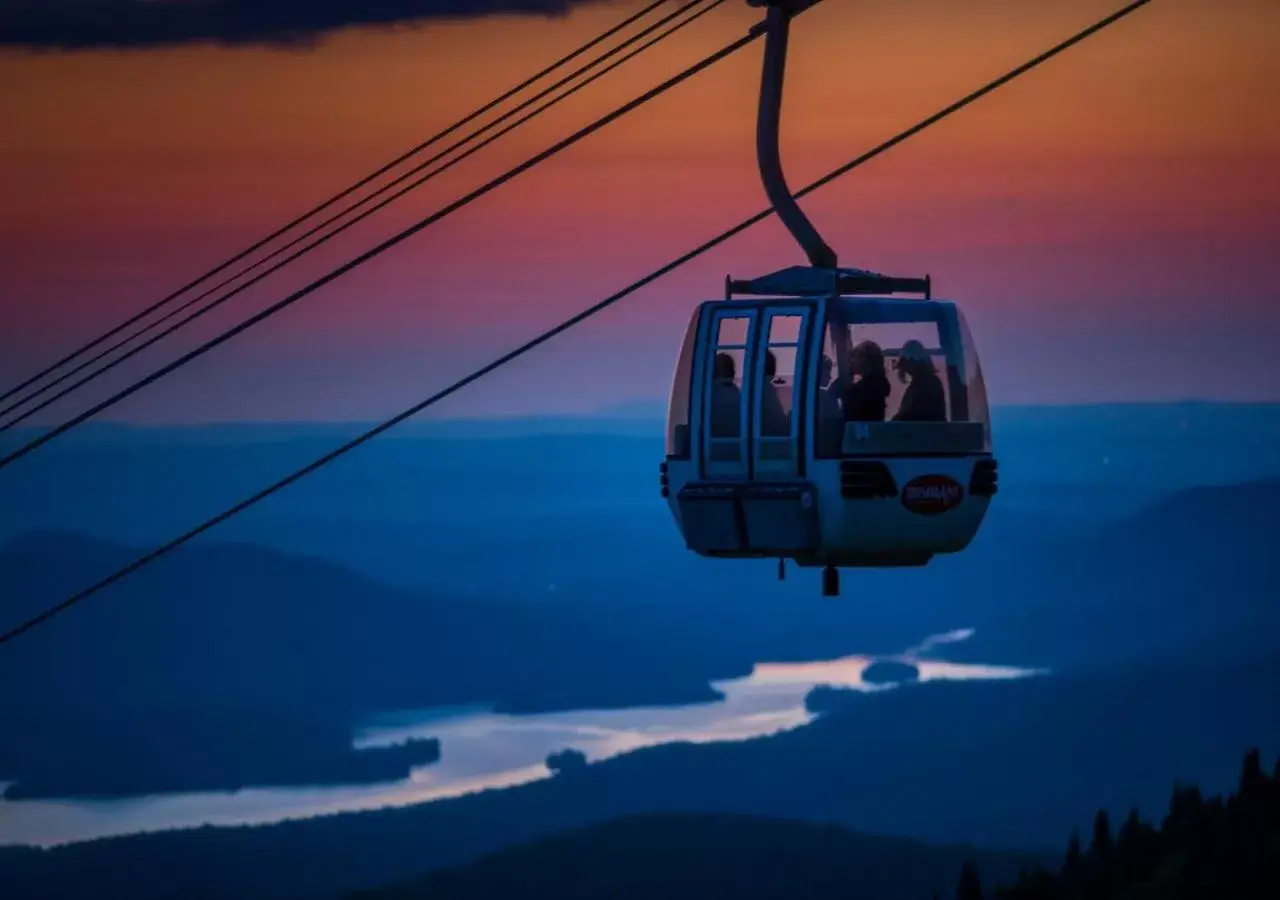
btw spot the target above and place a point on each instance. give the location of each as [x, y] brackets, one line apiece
[530, 568]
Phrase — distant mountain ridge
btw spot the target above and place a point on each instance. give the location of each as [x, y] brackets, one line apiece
[691, 857]
[642, 416]
[236, 626]
[281, 651]
[993, 764]
[1183, 571]
[1221, 847]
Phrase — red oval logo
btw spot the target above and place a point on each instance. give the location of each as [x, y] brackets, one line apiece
[930, 495]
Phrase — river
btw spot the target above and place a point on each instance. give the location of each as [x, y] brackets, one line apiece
[483, 750]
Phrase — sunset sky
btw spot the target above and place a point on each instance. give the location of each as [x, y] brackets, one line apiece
[1110, 223]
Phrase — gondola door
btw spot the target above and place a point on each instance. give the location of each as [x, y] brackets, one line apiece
[752, 498]
[726, 394]
[778, 389]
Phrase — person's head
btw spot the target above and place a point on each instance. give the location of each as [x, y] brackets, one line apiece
[725, 369]
[913, 359]
[770, 365]
[867, 360]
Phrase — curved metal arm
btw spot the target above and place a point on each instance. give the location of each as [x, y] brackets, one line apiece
[777, 26]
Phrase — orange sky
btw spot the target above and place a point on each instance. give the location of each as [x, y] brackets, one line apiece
[1125, 198]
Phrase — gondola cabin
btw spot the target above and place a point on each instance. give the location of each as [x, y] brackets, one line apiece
[814, 415]
[831, 428]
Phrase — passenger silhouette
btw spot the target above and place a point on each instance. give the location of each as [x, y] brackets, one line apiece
[924, 400]
[726, 399]
[830, 419]
[774, 421]
[866, 398]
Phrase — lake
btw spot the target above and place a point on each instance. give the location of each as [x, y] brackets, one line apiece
[482, 750]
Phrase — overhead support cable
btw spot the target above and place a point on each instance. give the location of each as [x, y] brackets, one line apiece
[346, 192]
[438, 170]
[386, 245]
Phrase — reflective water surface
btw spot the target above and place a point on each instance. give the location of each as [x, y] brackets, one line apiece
[481, 750]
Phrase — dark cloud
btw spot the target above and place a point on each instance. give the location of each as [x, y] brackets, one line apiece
[83, 24]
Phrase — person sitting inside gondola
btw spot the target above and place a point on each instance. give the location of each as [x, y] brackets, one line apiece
[866, 397]
[726, 399]
[924, 399]
[774, 421]
[830, 418]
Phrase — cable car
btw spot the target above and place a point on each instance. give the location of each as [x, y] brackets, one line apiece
[832, 416]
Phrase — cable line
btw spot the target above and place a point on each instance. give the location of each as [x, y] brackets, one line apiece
[350, 208]
[470, 117]
[386, 245]
[563, 326]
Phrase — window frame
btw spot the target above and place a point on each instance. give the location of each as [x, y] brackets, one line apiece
[953, 339]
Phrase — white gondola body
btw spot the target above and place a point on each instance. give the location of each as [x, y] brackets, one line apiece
[820, 490]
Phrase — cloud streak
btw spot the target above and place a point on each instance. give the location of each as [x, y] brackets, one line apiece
[124, 24]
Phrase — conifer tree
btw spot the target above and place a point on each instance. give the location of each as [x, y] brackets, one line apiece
[970, 887]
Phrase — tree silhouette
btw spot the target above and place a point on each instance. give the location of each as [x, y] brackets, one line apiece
[1205, 849]
[970, 886]
[1073, 865]
[1101, 857]
[1252, 779]
[1100, 847]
